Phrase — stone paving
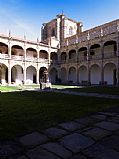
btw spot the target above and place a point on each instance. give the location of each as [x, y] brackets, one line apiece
[92, 137]
[99, 95]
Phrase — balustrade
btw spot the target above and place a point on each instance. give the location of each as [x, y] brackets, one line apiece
[82, 58]
[16, 57]
[110, 55]
[4, 56]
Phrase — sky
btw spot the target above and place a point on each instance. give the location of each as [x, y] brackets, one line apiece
[25, 17]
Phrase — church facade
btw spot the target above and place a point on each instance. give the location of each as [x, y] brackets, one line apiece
[68, 54]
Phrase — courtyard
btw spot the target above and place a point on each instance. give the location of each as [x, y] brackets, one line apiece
[25, 111]
[51, 124]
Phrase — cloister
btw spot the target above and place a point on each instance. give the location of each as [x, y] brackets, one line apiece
[94, 64]
[23, 64]
[89, 57]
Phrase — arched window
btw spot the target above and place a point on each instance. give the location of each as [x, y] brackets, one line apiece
[53, 32]
[71, 30]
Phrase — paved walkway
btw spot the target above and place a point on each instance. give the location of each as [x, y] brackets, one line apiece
[92, 137]
[83, 93]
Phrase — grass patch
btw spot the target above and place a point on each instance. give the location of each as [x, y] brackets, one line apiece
[23, 112]
[20, 87]
[8, 88]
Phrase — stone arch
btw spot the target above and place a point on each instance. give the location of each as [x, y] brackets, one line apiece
[63, 75]
[17, 50]
[53, 75]
[54, 56]
[63, 57]
[43, 72]
[110, 48]
[3, 48]
[110, 72]
[43, 54]
[72, 75]
[31, 53]
[17, 74]
[30, 75]
[95, 74]
[95, 51]
[83, 74]
[3, 73]
[72, 54]
[82, 53]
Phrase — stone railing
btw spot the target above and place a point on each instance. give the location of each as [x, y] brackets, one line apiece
[72, 60]
[82, 58]
[16, 57]
[42, 60]
[62, 61]
[33, 59]
[54, 62]
[91, 34]
[110, 55]
[4, 56]
[95, 57]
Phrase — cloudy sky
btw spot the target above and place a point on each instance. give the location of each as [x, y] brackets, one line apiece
[25, 17]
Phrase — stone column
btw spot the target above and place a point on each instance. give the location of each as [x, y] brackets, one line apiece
[67, 75]
[37, 76]
[24, 72]
[24, 54]
[118, 58]
[9, 73]
[77, 71]
[9, 63]
[37, 56]
[102, 68]
[77, 75]
[88, 54]
[67, 57]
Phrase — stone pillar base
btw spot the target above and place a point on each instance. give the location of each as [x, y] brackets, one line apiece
[45, 85]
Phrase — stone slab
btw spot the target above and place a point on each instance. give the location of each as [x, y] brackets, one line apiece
[114, 119]
[109, 113]
[9, 148]
[71, 126]
[78, 156]
[87, 121]
[76, 142]
[97, 133]
[20, 157]
[99, 116]
[33, 139]
[111, 142]
[55, 133]
[57, 149]
[98, 151]
[39, 153]
[108, 125]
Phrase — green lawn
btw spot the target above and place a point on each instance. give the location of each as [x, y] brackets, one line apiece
[8, 88]
[20, 87]
[23, 112]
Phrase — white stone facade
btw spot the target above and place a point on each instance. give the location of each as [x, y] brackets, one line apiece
[77, 57]
[23, 62]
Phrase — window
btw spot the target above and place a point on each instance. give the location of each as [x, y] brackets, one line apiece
[85, 53]
[92, 53]
[70, 31]
[53, 32]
